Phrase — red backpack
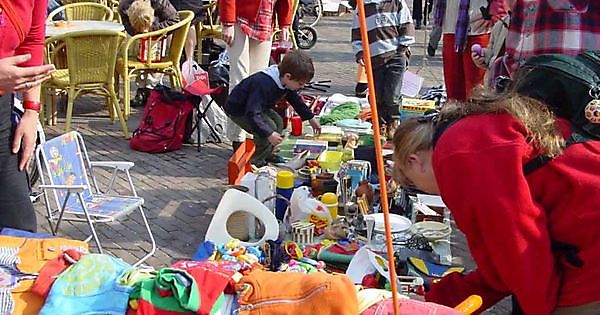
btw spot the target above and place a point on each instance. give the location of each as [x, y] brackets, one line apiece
[163, 123]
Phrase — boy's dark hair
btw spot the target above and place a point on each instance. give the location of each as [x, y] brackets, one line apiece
[298, 64]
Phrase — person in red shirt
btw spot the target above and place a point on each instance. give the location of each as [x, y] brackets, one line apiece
[247, 30]
[532, 236]
[22, 30]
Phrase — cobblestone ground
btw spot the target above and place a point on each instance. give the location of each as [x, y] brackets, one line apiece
[182, 189]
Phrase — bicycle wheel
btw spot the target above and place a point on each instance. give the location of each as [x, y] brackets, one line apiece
[306, 37]
[310, 12]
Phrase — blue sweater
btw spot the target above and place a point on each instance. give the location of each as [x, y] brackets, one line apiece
[257, 94]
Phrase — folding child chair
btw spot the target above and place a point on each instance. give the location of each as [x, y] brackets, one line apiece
[202, 91]
[64, 165]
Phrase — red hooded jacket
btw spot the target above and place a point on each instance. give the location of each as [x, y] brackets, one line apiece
[512, 221]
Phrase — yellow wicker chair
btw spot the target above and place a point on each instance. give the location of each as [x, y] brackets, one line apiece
[91, 59]
[84, 11]
[129, 67]
[209, 28]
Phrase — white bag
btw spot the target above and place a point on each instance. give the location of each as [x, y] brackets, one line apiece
[305, 208]
[192, 72]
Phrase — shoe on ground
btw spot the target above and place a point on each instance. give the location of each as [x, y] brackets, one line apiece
[430, 51]
[418, 25]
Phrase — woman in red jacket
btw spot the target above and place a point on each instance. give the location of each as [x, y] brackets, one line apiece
[533, 236]
[22, 30]
[247, 30]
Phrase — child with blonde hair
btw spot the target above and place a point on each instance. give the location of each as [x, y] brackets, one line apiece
[141, 15]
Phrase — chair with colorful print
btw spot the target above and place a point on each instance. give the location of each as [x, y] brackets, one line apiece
[69, 194]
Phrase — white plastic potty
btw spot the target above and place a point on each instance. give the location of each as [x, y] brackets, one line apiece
[234, 200]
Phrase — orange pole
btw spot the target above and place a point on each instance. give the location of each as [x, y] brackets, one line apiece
[360, 5]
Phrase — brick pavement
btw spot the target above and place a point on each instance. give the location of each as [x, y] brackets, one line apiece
[182, 189]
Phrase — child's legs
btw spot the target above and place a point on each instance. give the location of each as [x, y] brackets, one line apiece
[473, 74]
[392, 86]
[239, 69]
[454, 77]
[264, 149]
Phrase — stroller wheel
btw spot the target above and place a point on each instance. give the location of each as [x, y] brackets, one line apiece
[306, 37]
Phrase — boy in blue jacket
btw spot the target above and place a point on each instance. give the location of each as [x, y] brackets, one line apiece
[251, 103]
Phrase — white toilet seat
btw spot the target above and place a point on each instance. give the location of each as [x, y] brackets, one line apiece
[232, 201]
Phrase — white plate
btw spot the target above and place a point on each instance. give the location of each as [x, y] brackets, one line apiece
[398, 223]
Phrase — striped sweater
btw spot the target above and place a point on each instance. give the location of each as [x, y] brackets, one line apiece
[387, 22]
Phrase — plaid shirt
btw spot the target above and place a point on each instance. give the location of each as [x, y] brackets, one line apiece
[262, 29]
[552, 26]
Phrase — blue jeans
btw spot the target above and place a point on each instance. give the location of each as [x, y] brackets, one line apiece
[388, 86]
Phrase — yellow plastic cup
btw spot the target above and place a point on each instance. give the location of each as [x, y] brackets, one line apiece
[331, 201]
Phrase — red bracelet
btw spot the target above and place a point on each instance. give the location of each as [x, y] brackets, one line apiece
[32, 105]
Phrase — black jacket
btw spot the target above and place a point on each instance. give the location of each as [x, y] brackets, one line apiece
[259, 93]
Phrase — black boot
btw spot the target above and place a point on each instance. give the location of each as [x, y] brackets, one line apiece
[236, 145]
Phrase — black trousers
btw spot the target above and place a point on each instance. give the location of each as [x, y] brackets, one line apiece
[16, 209]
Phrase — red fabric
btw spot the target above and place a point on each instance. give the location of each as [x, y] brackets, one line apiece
[262, 28]
[52, 269]
[461, 74]
[212, 277]
[558, 26]
[230, 10]
[509, 220]
[33, 17]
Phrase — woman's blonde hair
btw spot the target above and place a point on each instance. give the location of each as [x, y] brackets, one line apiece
[416, 134]
[141, 15]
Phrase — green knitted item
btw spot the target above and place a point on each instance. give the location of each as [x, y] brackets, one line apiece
[347, 110]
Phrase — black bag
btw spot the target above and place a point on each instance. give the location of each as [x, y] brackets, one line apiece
[570, 86]
[565, 83]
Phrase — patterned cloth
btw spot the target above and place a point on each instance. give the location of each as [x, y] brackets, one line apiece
[552, 26]
[262, 29]
[9, 278]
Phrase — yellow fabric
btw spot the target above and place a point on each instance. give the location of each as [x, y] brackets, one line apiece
[34, 253]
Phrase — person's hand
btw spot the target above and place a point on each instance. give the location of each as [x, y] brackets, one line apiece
[25, 137]
[478, 60]
[227, 34]
[361, 61]
[15, 78]
[275, 138]
[285, 33]
[316, 126]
